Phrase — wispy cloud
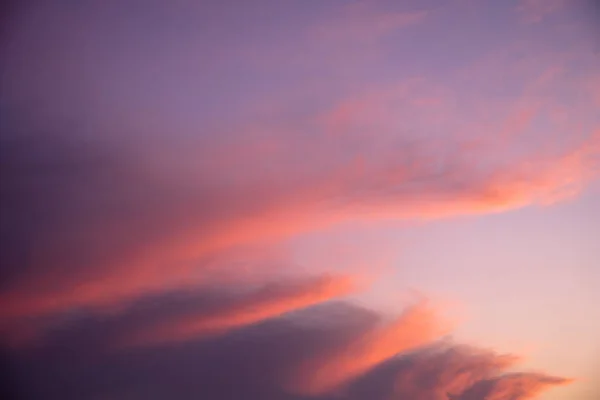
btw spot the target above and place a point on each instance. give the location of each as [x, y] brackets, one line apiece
[513, 387]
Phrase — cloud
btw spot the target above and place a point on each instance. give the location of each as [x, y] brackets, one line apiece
[267, 302]
[378, 359]
[518, 386]
[461, 372]
[141, 170]
[449, 370]
[114, 216]
[416, 327]
[103, 204]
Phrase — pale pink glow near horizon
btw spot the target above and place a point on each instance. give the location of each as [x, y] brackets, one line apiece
[182, 171]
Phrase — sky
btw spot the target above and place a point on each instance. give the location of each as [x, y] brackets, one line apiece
[293, 200]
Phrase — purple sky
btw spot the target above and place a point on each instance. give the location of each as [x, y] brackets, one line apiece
[377, 189]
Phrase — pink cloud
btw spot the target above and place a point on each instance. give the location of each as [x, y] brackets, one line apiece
[105, 227]
[413, 149]
[363, 166]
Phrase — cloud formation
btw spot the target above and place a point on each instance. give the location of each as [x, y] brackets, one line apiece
[267, 302]
[513, 387]
[416, 327]
[108, 230]
[155, 157]
[98, 201]
[350, 352]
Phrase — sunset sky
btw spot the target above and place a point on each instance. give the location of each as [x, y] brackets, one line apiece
[293, 200]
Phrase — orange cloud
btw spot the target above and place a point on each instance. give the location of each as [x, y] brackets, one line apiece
[417, 326]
